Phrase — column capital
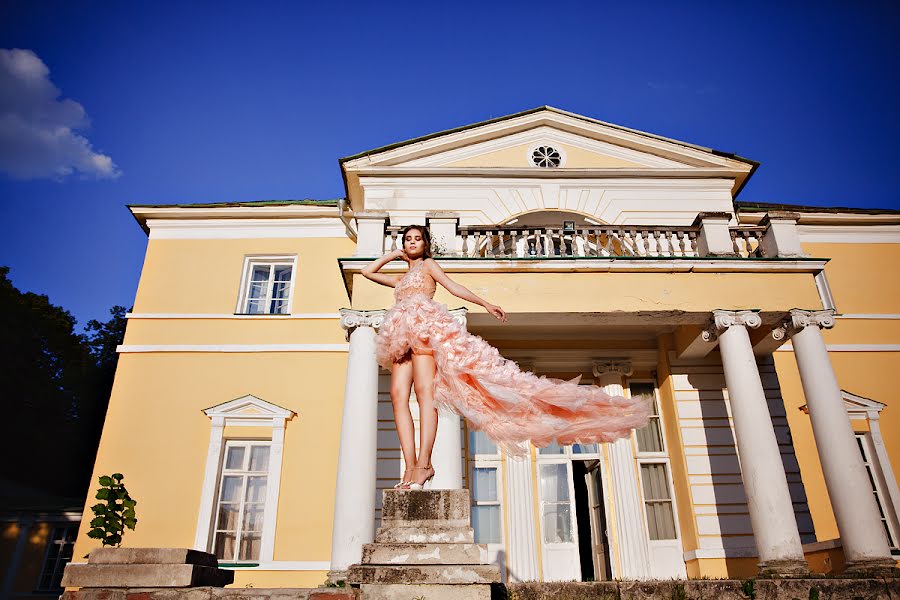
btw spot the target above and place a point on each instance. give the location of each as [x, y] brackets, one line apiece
[351, 319]
[459, 314]
[798, 319]
[723, 319]
[622, 368]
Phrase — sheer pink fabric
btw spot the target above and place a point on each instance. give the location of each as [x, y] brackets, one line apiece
[510, 405]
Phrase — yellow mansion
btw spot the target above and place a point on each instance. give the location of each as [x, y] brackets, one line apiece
[250, 419]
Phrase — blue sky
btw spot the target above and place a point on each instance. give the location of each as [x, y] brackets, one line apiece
[226, 101]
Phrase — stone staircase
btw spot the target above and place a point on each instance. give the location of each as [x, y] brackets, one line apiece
[425, 548]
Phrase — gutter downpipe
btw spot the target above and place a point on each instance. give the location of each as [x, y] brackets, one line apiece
[342, 206]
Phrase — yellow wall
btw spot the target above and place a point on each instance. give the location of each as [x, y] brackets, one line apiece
[600, 292]
[520, 156]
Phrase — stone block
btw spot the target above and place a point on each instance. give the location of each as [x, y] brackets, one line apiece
[424, 554]
[403, 508]
[424, 535]
[424, 574]
[144, 576]
[152, 556]
[477, 591]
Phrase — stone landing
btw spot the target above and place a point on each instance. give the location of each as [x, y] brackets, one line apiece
[425, 547]
[146, 568]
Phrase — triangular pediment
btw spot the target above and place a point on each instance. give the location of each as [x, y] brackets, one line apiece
[248, 407]
[507, 143]
[856, 404]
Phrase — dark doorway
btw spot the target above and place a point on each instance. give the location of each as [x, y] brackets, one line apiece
[593, 543]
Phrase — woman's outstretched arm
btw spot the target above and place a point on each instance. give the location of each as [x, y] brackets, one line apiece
[461, 291]
[371, 273]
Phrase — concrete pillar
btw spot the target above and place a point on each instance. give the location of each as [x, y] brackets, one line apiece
[354, 500]
[633, 547]
[865, 544]
[447, 457]
[370, 234]
[768, 498]
[781, 238]
[714, 238]
[443, 226]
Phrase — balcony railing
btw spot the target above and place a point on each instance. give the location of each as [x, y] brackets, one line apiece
[486, 241]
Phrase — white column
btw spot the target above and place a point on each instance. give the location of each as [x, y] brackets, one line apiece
[768, 498]
[447, 457]
[354, 500]
[858, 519]
[631, 533]
[522, 557]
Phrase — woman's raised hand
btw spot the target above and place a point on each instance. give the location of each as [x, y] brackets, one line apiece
[399, 253]
[497, 312]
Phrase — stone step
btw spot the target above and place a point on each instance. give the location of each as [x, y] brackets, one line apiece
[151, 556]
[424, 554]
[447, 506]
[424, 574]
[144, 576]
[424, 535]
[476, 591]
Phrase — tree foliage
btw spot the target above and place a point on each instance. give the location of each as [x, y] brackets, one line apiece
[115, 513]
[57, 384]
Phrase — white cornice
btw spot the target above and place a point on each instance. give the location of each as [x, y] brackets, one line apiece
[262, 211]
[850, 348]
[535, 173]
[141, 348]
[850, 234]
[233, 316]
[832, 219]
[220, 229]
[602, 265]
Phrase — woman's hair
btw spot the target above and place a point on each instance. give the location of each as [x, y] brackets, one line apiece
[426, 237]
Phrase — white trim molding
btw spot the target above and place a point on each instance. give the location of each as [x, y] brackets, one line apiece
[235, 316]
[240, 229]
[246, 411]
[850, 234]
[138, 348]
[850, 348]
[870, 316]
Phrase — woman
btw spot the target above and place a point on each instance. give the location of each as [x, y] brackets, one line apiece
[425, 347]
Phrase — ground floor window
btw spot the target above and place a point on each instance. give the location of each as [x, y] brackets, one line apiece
[59, 554]
[873, 469]
[484, 474]
[658, 500]
[241, 499]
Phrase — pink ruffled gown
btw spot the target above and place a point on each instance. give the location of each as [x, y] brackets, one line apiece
[510, 405]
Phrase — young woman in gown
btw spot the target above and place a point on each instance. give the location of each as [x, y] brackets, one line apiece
[426, 348]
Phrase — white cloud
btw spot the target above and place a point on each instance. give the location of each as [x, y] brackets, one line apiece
[37, 137]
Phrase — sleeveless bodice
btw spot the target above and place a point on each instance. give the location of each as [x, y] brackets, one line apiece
[416, 281]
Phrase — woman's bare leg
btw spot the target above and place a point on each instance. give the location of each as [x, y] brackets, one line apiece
[423, 380]
[401, 383]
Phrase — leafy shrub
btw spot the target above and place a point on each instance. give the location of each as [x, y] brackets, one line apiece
[112, 517]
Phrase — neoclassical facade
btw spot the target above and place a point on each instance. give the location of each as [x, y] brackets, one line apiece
[250, 418]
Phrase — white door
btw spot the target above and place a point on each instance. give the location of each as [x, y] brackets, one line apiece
[597, 512]
[557, 516]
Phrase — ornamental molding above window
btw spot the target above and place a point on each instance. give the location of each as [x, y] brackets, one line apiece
[247, 411]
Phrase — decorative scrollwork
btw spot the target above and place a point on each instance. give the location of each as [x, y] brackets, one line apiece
[798, 319]
[619, 367]
[351, 319]
[723, 319]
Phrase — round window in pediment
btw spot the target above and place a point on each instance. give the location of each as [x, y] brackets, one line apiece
[546, 156]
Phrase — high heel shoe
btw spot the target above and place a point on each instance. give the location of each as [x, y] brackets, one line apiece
[426, 484]
[404, 482]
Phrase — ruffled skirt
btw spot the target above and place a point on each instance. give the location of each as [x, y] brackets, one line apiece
[509, 405]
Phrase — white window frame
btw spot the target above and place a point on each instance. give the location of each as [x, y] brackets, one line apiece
[655, 458]
[246, 411]
[870, 458]
[242, 501]
[488, 461]
[59, 565]
[251, 261]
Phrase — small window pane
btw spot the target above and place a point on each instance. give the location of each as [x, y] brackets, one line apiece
[261, 273]
[649, 437]
[484, 485]
[250, 545]
[480, 443]
[228, 517]
[259, 458]
[656, 482]
[486, 522]
[283, 273]
[256, 489]
[660, 521]
[253, 518]
[235, 458]
[554, 483]
[585, 449]
[225, 546]
[553, 448]
[231, 488]
[557, 523]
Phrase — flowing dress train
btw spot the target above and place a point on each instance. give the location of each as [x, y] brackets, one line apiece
[473, 380]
